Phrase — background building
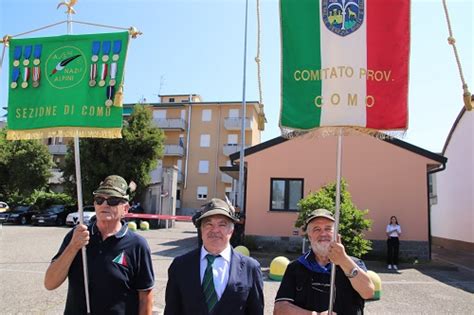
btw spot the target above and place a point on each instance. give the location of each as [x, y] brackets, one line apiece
[387, 177]
[200, 136]
[452, 210]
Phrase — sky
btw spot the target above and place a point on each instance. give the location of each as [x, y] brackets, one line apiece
[197, 46]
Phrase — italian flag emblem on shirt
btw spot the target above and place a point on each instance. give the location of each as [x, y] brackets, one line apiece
[121, 259]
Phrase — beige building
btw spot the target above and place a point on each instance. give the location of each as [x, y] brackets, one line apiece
[200, 136]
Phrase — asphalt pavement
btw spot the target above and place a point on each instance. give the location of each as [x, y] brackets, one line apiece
[443, 286]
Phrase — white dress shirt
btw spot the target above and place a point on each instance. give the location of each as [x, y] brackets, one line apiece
[220, 269]
[393, 229]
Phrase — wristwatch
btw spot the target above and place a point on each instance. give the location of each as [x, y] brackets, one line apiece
[354, 272]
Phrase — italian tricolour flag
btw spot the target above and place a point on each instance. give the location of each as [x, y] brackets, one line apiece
[344, 63]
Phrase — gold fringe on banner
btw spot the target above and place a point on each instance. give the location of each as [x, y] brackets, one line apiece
[323, 132]
[65, 132]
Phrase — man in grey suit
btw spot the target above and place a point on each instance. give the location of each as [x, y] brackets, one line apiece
[214, 279]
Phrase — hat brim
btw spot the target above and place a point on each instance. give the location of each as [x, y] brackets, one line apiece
[110, 192]
[320, 216]
[216, 212]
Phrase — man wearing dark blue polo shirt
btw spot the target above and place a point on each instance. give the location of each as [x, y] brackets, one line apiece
[119, 264]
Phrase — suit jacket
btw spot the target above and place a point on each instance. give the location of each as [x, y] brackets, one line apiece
[242, 295]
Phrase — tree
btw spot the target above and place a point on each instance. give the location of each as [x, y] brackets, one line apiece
[24, 167]
[133, 156]
[351, 220]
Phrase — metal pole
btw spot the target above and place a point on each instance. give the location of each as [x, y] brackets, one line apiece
[77, 161]
[244, 114]
[332, 293]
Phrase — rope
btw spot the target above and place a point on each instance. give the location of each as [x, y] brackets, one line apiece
[257, 58]
[133, 31]
[39, 29]
[102, 25]
[452, 42]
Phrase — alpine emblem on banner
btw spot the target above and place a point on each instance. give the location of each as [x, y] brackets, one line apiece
[67, 85]
[344, 63]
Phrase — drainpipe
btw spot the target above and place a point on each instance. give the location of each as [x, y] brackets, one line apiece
[442, 168]
[187, 145]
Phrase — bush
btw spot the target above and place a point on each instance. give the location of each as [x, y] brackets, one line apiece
[351, 220]
[45, 199]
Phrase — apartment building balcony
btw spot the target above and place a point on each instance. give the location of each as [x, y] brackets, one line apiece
[235, 123]
[170, 123]
[230, 148]
[57, 149]
[174, 150]
[226, 179]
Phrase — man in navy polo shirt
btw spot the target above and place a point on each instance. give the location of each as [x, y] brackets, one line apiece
[119, 264]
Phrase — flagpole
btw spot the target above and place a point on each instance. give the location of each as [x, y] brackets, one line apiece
[243, 122]
[332, 293]
[77, 161]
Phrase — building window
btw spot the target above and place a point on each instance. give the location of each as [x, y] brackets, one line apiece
[206, 115]
[234, 113]
[202, 192]
[205, 141]
[232, 139]
[203, 167]
[171, 99]
[159, 114]
[432, 189]
[285, 194]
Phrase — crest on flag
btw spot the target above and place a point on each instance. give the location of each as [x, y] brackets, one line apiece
[343, 17]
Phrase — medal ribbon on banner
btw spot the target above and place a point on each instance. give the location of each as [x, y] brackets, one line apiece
[103, 74]
[93, 75]
[17, 55]
[36, 76]
[26, 77]
[117, 49]
[113, 74]
[15, 76]
[110, 93]
[106, 50]
[27, 55]
[37, 54]
[95, 50]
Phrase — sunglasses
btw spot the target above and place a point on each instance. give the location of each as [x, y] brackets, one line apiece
[112, 201]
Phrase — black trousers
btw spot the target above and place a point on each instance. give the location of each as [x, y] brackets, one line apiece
[393, 245]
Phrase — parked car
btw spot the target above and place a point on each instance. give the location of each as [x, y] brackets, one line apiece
[54, 215]
[4, 206]
[73, 217]
[21, 214]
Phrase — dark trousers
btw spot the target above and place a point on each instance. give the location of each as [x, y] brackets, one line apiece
[393, 245]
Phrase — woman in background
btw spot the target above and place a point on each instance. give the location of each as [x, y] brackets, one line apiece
[393, 243]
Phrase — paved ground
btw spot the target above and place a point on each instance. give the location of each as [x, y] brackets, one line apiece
[443, 286]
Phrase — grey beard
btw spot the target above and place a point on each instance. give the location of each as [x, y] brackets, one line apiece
[320, 249]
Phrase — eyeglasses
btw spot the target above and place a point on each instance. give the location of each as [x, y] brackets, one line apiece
[112, 201]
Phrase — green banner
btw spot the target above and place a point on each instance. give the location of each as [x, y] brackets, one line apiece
[66, 86]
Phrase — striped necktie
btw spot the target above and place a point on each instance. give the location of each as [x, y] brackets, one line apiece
[208, 283]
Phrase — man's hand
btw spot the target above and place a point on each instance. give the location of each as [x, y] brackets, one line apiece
[337, 253]
[80, 237]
